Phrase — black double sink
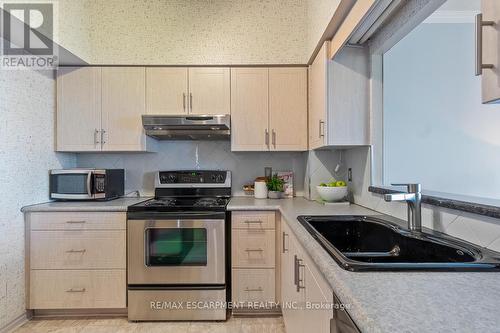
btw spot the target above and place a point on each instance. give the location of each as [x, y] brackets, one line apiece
[378, 243]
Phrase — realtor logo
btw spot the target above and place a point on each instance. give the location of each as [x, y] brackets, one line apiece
[27, 35]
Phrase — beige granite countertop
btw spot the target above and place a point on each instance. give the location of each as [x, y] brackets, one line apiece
[117, 205]
[394, 301]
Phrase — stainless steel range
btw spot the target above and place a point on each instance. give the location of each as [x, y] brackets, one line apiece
[176, 248]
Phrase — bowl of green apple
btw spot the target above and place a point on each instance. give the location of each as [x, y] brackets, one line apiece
[333, 191]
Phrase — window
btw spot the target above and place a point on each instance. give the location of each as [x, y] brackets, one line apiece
[436, 131]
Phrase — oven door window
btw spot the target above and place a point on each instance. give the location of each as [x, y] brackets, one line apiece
[176, 247]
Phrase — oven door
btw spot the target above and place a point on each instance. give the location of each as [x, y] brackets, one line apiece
[71, 184]
[181, 250]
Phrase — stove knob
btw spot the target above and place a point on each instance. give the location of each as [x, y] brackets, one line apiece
[171, 178]
[220, 178]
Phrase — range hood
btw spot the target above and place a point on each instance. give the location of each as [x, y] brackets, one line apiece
[187, 127]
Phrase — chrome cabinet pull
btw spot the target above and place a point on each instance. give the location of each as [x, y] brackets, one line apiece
[479, 24]
[184, 101]
[191, 102]
[284, 249]
[76, 251]
[295, 270]
[274, 138]
[254, 250]
[267, 137]
[258, 289]
[252, 221]
[321, 128]
[77, 290]
[299, 280]
[102, 136]
[96, 140]
[76, 222]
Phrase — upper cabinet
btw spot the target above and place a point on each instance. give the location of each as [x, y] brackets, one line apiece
[123, 104]
[182, 90]
[209, 90]
[166, 90]
[488, 30]
[269, 109]
[318, 98]
[288, 108]
[99, 109]
[78, 109]
[250, 109]
[339, 98]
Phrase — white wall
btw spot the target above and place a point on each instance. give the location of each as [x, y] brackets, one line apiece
[27, 107]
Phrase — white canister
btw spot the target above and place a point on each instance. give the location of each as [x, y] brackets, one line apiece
[260, 188]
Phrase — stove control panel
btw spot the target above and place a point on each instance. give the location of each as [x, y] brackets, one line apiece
[192, 177]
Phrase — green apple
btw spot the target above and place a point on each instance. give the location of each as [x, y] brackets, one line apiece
[340, 183]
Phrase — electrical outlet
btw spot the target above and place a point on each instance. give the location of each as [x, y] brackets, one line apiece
[349, 175]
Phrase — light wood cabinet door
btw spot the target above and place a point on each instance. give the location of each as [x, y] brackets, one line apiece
[288, 109]
[249, 109]
[318, 99]
[316, 320]
[253, 285]
[123, 104]
[490, 81]
[209, 91]
[78, 109]
[166, 90]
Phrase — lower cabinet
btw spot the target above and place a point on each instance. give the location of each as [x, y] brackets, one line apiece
[254, 267]
[76, 260]
[305, 295]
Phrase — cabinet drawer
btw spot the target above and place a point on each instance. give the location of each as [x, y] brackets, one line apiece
[253, 220]
[253, 285]
[78, 221]
[253, 248]
[77, 289]
[78, 249]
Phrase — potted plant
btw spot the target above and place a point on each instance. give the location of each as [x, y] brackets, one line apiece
[275, 187]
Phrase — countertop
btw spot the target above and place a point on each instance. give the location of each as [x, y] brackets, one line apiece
[394, 301]
[117, 205]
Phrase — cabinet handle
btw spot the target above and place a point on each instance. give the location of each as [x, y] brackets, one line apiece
[258, 289]
[295, 270]
[76, 222]
[76, 251]
[274, 138]
[267, 137]
[254, 250]
[78, 290]
[299, 280]
[191, 102]
[479, 44]
[102, 136]
[284, 249]
[184, 101]
[96, 140]
[252, 222]
[321, 128]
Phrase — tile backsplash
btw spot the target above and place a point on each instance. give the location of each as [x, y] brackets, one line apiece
[245, 166]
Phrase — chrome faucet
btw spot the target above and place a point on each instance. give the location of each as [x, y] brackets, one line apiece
[414, 200]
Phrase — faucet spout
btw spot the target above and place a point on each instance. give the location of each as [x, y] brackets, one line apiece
[413, 198]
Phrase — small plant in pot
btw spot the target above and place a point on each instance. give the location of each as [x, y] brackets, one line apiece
[275, 187]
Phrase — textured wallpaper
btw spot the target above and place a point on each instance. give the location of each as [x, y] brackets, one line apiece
[175, 32]
[27, 110]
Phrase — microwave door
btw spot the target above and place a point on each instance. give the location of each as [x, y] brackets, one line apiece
[72, 185]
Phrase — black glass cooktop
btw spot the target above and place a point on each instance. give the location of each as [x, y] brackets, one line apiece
[176, 204]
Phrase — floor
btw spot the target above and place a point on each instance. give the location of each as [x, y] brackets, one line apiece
[121, 325]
